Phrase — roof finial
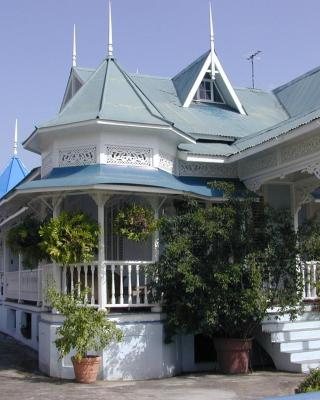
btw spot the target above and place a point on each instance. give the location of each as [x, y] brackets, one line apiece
[15, 145]
[74, 52]
[213, 67]
[110, 41]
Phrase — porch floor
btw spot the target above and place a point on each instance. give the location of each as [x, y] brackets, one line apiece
[19, 379]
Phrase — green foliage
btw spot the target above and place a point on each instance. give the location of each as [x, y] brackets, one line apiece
[215, 264]
[70, 238]
[85, 328]
[135, 222]
[311, 383]
[309, 240]
[24, 238]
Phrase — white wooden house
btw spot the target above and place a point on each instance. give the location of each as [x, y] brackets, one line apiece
[122, 137]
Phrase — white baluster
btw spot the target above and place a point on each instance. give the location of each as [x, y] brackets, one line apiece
[145, 286]
[71, 279]
[121, 284]
[138, 283]
[308, 279]
[314, 279]
[78, 279]
[303, 272]
[129, 285]
[85, 267]
[113, 297]
[92, 284]
[64, 279]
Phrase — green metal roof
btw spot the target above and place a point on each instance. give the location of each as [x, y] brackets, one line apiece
[301, 95]
[84, 73]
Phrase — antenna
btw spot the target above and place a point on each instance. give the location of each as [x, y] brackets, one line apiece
[251, 58]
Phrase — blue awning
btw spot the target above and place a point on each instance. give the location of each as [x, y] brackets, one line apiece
[119, 175]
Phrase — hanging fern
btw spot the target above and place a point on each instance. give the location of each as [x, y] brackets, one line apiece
[25, 239]
[135, 222]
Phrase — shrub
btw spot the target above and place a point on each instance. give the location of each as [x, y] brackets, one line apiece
[311, 383]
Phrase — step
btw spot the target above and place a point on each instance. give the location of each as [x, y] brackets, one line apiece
[306, 365]
[299, 345]
[303, 335]
[291, 326]
[302, 356]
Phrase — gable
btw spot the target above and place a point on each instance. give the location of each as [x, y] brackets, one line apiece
[74, 84]
[188, 81]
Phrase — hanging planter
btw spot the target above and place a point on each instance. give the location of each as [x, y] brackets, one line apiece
[135, 222]
[24, 239]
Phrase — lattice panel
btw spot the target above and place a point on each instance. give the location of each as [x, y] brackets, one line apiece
[167, 162]
[129, 155]
[206, 170]
[84, 155]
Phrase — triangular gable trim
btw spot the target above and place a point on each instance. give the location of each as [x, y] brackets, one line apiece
[233, 100]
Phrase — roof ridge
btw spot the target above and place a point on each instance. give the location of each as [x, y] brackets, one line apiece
[104, 87]
[204, 55]
[297, 79]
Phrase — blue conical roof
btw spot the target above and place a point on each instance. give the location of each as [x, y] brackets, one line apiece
[12, 175]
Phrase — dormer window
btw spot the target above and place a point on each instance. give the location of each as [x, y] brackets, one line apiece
[208, 91]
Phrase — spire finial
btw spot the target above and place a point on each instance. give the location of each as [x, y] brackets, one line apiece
[74, 52]
[213, 67]
[110, 41]
[15, 145]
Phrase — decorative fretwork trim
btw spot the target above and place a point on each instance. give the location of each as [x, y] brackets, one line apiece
[313, 169]
[167, 162]
[207, 170]
[84, 155]
[129, 155]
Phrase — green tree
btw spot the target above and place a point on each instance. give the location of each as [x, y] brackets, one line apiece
[222, 267]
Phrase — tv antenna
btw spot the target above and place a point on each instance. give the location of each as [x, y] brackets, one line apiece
[251, 58]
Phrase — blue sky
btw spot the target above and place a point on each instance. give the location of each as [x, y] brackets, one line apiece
[159, 37]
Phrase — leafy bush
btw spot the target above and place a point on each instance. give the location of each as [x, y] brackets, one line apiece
[309, 240]
[85, 328]
[221, 269]
[135, 222]
[70, 238]
[311, 383]
[24, 238]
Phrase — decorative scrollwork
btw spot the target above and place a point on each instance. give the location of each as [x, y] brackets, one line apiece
[167, 162]
[129, 155]
[313, 169]
[207, 170]
[77, 156]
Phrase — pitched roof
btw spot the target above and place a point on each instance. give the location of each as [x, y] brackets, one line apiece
[109, 93]
[13, 174]
[301, 95]
[185, 79]
[120, 175]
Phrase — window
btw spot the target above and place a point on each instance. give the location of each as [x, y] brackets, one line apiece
[208, 91]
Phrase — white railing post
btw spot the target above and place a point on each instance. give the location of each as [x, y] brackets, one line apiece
[85, 267]
[129, 284]
[113, 297]
[101, 200]
[64, 279]
[93, 268]
[121, 284]
[19, 277]
[138, 283]
[308, 280]
[39, 290]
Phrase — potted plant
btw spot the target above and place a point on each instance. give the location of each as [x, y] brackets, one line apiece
[84, 330]
[233, 261]
[135, 222]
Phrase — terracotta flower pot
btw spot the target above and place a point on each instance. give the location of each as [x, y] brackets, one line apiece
[233, 355]
[86, 370]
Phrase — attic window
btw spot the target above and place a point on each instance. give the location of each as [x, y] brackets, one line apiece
[208, 91]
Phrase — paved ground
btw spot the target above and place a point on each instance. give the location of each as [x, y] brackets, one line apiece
[19, 380]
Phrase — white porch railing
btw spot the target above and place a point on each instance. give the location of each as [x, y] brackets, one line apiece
[23, 285]
[310, 277]
[126, 282]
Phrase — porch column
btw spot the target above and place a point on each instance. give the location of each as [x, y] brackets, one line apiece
[4, 261]
[56, 210]
[19, 275]
[100, 200]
